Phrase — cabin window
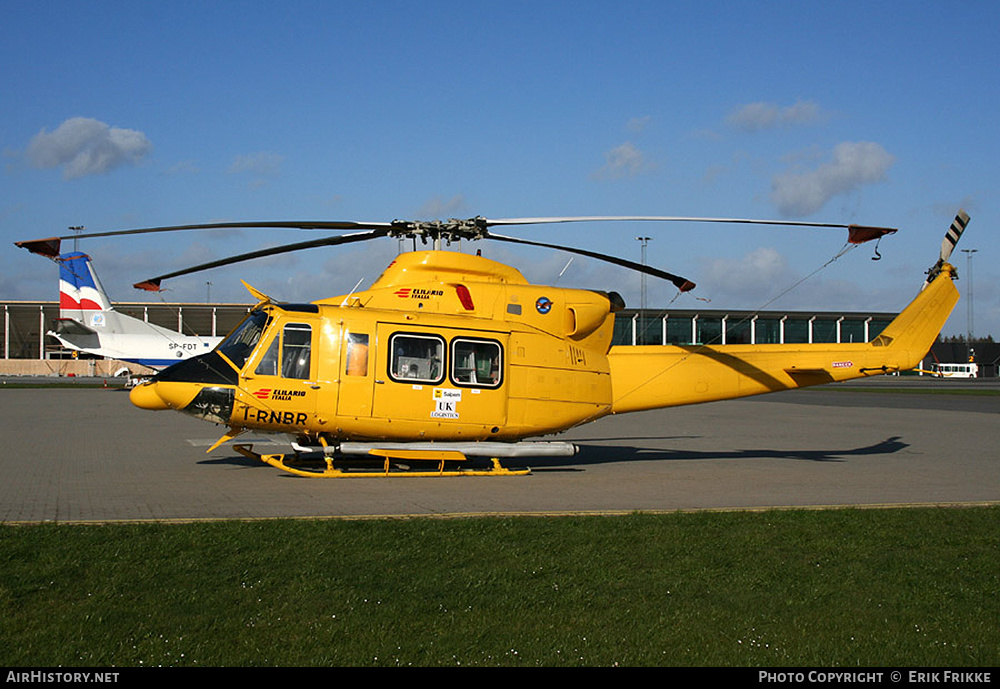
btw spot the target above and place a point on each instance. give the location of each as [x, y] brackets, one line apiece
[416, 358]
[476, 363]
[356, 357]
[289, 353]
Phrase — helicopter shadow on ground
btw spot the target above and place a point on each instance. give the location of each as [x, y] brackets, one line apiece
[595, 452]
[598, 451]
[233, 460]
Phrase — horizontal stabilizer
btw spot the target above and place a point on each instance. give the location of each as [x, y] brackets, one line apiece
[70, 326]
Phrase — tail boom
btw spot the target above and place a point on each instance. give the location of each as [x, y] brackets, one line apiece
[651, 377]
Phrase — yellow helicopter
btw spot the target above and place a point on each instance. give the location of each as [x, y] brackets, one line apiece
[452, 361]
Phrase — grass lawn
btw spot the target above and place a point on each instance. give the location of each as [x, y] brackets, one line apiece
[828, 588]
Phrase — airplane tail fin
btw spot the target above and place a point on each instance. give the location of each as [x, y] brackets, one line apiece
[81, 296]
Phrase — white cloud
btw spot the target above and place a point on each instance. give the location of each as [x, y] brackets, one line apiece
[438, 207]
[260, 166]
[853, 165]
[623, 161]
[263, 163]
[84, 146]
[183, 167]
[637, 125]
[749, 279]
[758, 116]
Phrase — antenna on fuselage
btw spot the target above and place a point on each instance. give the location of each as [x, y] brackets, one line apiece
[351, 293]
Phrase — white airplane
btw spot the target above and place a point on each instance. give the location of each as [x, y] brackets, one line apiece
[89, 323]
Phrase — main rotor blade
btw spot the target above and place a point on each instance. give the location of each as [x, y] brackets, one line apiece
[659, 218]
[470, 229]
[153, 284]
[50, 246]
[683, 284]
[857, 234]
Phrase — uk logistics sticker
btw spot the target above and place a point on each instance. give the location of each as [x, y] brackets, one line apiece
[446, 403]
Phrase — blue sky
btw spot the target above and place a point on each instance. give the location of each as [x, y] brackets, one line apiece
[122, 114]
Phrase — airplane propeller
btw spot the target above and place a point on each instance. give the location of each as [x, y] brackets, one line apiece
[450, 230]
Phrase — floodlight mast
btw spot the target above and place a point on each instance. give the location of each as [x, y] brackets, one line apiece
[968, 262]
[642, 283]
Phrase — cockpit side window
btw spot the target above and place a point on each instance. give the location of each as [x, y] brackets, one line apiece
[296, 351]
[268, 365]
[289, 354]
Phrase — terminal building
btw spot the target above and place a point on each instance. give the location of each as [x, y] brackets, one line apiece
[683, 327]
[28, 351]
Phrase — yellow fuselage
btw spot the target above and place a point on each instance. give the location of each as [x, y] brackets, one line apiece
[451, 347]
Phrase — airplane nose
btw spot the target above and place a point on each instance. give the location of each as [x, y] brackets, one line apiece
[145, 396]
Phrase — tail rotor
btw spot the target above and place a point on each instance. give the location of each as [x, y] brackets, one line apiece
[951, 238]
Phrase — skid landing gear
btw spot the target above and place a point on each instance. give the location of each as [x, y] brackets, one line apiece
[391, 463]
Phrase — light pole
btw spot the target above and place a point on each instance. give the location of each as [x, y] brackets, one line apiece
[968, 260]
[642, 283]
[77, 229]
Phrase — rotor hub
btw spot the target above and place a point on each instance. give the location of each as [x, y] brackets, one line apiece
[449, 230]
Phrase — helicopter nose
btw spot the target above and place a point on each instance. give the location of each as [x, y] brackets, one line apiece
[157, 395]
[145, 396]
[205, 402]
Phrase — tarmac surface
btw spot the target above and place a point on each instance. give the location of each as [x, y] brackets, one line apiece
[88, 455]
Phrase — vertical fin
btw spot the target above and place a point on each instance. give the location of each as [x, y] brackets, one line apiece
[81, 294]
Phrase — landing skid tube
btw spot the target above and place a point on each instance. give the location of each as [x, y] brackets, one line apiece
[394, 462]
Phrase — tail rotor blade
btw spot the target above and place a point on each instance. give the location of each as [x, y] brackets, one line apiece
[951, 238]
[954, 234]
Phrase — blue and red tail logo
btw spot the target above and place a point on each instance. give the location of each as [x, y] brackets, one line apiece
[79, 288]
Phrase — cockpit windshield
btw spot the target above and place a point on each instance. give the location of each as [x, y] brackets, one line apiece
[244, 338]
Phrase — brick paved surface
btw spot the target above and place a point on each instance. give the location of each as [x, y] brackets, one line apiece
[88, 455]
